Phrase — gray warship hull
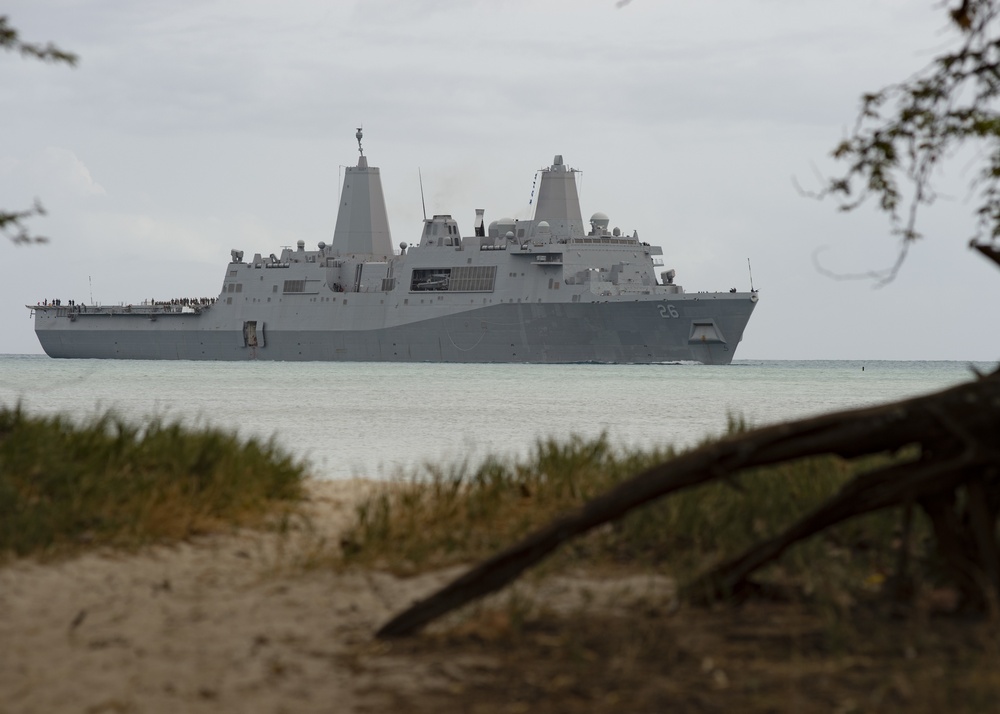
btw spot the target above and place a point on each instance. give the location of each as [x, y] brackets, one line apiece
[613, 332]
[543, 290]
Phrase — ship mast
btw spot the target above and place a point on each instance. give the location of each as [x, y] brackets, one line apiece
[362, 222]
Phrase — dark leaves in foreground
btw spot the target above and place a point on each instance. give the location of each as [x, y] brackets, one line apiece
[907, 130]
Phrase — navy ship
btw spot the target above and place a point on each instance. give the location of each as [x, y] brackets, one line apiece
[552, 289]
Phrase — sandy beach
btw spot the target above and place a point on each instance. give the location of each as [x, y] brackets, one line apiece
[239, 623]
[226, 623]
[260, 621]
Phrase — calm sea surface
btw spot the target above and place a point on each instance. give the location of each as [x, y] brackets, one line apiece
[376, 419]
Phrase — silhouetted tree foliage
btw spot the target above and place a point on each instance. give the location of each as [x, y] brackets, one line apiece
[13, 223]
[906, 130]
[10, 40]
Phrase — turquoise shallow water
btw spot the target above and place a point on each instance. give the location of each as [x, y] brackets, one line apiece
[373, 419]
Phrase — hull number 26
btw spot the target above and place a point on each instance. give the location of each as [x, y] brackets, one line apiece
[668, 311]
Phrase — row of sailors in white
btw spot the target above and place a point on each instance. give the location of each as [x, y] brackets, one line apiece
[180, 301]
[176, 301]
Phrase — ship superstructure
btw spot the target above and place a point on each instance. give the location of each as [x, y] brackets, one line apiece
[552, 289]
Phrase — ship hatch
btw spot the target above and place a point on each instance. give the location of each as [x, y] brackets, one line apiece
[252, 336]
[705, 331]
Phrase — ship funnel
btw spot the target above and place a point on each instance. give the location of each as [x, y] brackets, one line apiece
[362, 222]
[558, 202]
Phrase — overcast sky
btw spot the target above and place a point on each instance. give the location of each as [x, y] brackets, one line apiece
[191, 127]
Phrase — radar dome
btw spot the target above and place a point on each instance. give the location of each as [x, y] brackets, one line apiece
[505, 226]
[599, 220]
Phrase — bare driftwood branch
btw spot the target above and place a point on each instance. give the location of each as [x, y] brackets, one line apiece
[956, 422]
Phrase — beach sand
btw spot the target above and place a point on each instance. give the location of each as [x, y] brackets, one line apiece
[254, 622]
[240, 622]
[225, 623]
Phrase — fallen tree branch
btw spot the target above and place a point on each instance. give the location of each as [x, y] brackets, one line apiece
[870, 492]
[927, 420]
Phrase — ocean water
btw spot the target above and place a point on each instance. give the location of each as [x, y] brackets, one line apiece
[376, 420]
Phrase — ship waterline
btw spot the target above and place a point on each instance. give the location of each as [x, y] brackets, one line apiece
[544, 290]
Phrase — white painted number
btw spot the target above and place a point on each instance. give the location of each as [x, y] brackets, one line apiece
[668, 311]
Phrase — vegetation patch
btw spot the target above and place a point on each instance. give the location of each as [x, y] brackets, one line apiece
[64, 485]
[837, 624]
[462, 513]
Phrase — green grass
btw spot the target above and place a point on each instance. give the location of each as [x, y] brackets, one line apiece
[65, 485]
[465, 512]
